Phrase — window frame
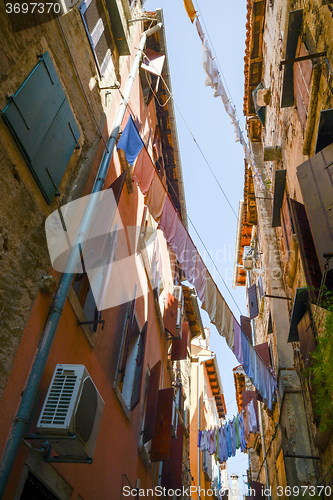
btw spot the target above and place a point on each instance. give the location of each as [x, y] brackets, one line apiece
[92, 36]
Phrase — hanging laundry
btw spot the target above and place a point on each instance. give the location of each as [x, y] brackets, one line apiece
[190, 9]
[153, 62]
[199, 438]
[242, 439]
[212, 446]
[199, 30]
[237, 431]
[178, 238]
[238, 351]
[210, 67]
[246, 424]
[228, 439]
[233, 437]
[253, 422]
[168, 220]
[246, 356]
[130, 141]
[156, 197]
[143, 171]
[223, 446]
[218, 311]
[204, 441]
[217, 444]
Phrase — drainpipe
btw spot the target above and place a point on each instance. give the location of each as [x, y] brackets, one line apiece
[208, 358]
[31, 389]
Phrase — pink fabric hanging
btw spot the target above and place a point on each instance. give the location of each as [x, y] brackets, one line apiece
[144, 170]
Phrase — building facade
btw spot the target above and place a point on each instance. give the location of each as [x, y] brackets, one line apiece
[111, 384]
[284, 240]
[208, 410]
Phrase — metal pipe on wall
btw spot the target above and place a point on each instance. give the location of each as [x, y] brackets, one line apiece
[21, 420]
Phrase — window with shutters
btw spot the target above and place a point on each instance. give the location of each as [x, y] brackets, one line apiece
[95, 20]
[253, 301]
[130, 369]
[161, 442]
[306, 338]
[98, 255]
[302, 83]
[287, 223]
[41, 121]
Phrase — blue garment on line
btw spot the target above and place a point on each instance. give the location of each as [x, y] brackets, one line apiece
[130, 141]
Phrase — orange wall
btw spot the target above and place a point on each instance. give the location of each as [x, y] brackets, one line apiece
[116, 451]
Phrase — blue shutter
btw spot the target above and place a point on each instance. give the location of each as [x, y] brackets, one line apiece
[42, 122]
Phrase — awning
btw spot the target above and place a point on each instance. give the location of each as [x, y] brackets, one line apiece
[294, 29]
[299, 309]
[315, 179]
[279, 187]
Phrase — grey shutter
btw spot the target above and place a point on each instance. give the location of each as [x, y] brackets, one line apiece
[316, 180]
[279, 188]
[99, 35]
[42, 122]
[152, 397]
[253, 301]
[294, 29]
[136, 393]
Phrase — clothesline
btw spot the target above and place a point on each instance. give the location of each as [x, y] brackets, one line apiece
[213, 80]
[164, 212]
[223, 441]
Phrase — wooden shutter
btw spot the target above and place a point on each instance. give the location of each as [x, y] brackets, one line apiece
[306, 338]
[136, 393]
[129, 324]
[152, 396]
[100, 38]
[316, 180]
[307, 249]
[264, 353]
[287, 226]
[172, 469]
[302, 83]
[279, 189]
[246, 327]
[179, 346]
[41, 120]
[253, 301]
[170, 314]
[161, 442]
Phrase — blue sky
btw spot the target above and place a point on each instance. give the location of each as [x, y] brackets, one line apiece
[210, 125]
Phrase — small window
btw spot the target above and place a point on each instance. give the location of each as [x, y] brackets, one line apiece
[90, 287]
[41, 120]
[128, 380]
[35, 490]
[98, 31]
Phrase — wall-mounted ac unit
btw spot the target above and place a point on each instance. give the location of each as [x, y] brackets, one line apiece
[177, 292]
[73, 406]
[249, 256]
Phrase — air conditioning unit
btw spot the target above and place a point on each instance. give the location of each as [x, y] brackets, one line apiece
[73, 407]
[177, 292]
[248, 257]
